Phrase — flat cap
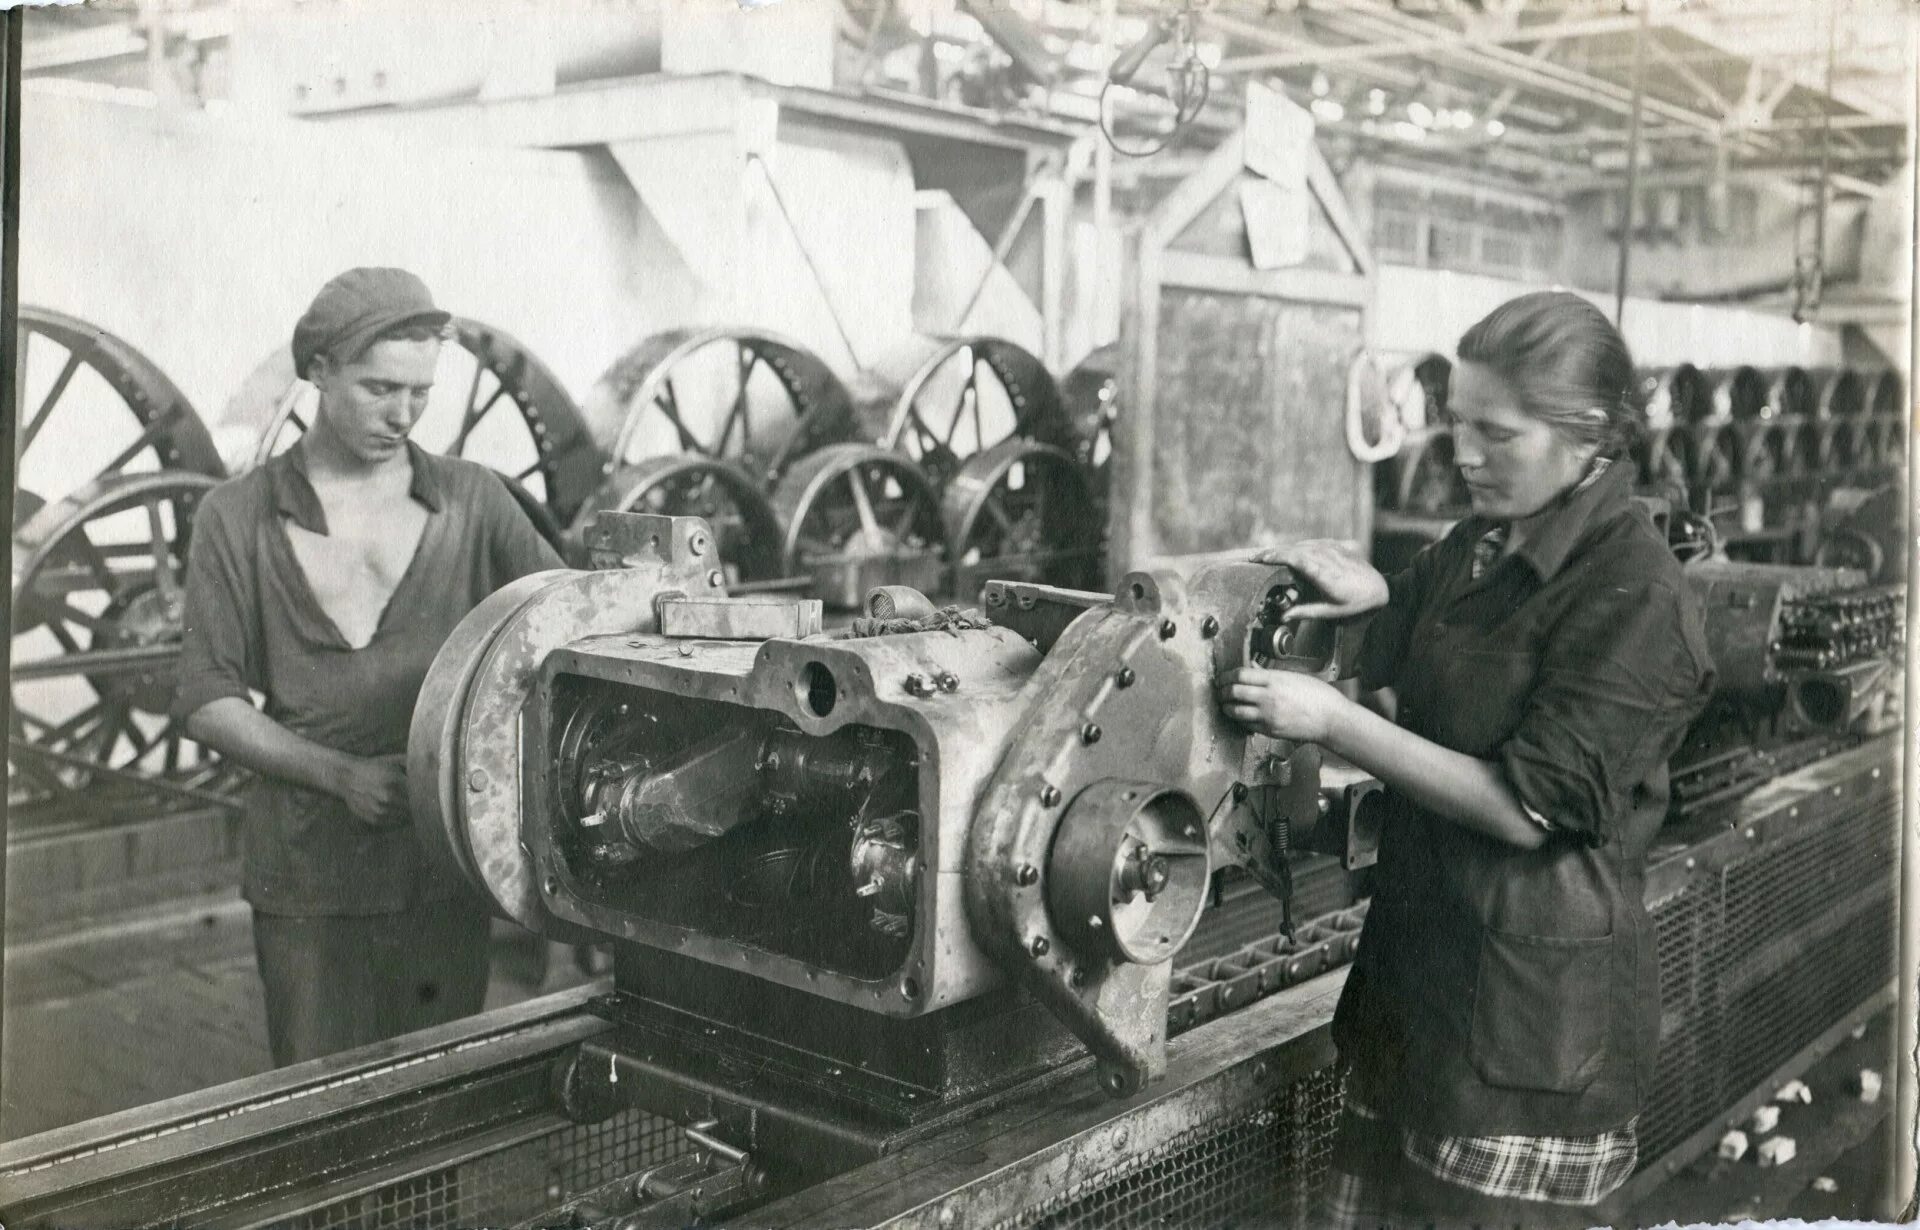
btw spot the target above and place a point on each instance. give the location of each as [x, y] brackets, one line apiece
[349, 310]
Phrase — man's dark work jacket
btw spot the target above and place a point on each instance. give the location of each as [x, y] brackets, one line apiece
[1502, 991]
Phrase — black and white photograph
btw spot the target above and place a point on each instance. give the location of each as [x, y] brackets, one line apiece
[950, 614]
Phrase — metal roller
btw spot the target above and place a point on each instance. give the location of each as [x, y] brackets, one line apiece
[747, 396]
[1790, 392]
[858, 516]
[1677, 395]
[926, 399]
[493, 402]
[1739, 394]
[1019, 512]
[1842, 394]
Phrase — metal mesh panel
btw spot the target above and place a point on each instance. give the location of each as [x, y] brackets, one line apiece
[1757, 962]
[1265, 1168]
[510, 1184]
[1810, 930]
[1687, 927]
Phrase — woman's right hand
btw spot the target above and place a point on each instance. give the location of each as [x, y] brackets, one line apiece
[1349, 584]
[374, 788]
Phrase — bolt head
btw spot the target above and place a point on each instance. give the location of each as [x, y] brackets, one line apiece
[1027, 876]
[1090, 734]
[1209, 627]
[1239, 792]
[1126, 677]
[477, 780]
[1050, 796]
[1167, 629]
[716, 578]
[1039, 947]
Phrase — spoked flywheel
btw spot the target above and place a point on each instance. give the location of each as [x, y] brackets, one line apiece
[858, 516]
[90, 405]
[97, 609]
[749, 397]
[1022, 512]
[943, 400]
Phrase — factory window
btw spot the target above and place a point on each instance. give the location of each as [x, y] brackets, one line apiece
[1397, 235]
[1502, 249]
[1449, 246]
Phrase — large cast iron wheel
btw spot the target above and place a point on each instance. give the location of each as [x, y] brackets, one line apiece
[1022, 512]
[857, 513]
[90, 405]
[493, 402]
[943, 400]
[96, 612]
[743, 521]
[749, 397]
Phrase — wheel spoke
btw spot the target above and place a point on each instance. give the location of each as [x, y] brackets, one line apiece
[863, 508]
[999, 514]
[50, 609]
[163, 578]
[669, 404]
[148, 434]
[54, 393]
[473, 417]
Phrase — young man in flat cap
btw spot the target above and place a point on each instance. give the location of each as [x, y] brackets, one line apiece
[326, 581]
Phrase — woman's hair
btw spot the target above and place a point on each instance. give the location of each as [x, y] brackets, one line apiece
[1569, 365]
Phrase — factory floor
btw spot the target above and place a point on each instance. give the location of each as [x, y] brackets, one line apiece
[164, 1000]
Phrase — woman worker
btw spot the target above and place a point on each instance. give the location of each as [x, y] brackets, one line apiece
[1501, 1018]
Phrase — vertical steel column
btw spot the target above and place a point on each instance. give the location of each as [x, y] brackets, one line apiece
[1640, 36]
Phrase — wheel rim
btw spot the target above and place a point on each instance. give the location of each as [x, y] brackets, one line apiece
[743, 520]
[96, 632]
[857, 515]
[1018, 512]
[943, 400]
[493, 402]
[91, 406]
[753, 398]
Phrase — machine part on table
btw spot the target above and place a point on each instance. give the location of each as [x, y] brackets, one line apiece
[464, 764]
[1040, 613]
[1205, 990]
[96, 627]
[1127, 876]
[1352, 816]
[930, 403]
[1753, 625]
[109, 409]
[789, 813]
[857, 516]
[1791, 393]
[493, 402]
[1130, 699]
[725, 496]
[753, 398]
[1022, 511]
[1842, 393]
[1864, 534]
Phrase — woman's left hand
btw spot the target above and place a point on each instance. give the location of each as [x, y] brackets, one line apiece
[1281, 704]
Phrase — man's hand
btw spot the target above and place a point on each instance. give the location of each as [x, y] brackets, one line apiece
[374, 788]
[1282, 704]
[1352, 586]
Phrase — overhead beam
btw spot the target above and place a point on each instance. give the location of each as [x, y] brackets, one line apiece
[120, 41]
[1687, 73]
[1424, 43]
